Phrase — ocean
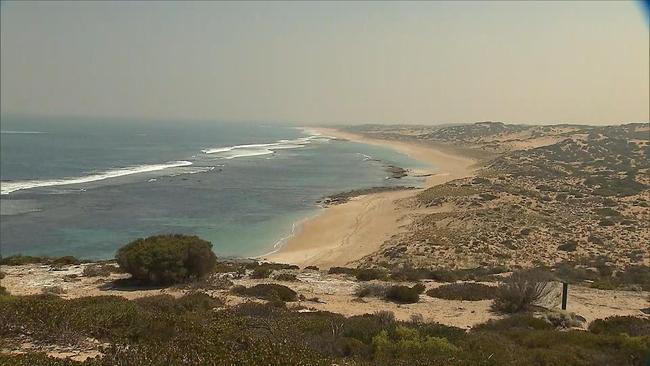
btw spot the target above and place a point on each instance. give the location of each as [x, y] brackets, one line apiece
[86, 186]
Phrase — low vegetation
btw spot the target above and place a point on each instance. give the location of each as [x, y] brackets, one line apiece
[521, 290]
[167, 259]
[404, 294]
[463, 291]
[99, 270]
[267, 291]
[196, 329]
[19, 260]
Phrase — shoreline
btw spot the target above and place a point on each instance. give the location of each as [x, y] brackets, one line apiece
[346, 232]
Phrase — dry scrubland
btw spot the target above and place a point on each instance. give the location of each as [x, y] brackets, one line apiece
[470, 278]
[573, 198]
[257, 313]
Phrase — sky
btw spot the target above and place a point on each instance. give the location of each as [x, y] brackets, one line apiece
[328, 62]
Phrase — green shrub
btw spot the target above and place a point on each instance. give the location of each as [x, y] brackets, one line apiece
[408, 343]
[403, 294]
[614, 325]
[193, 301]
[515, 321]
[267, 291]
[521, 290]
[368, 274]
[463, 291]
[19, 260]
[167, 259]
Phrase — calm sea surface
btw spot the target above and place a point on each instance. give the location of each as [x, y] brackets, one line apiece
[85, 187]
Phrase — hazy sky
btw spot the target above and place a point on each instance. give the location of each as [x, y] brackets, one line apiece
[333, 62]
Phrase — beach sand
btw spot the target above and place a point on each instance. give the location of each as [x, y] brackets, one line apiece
[344, 233]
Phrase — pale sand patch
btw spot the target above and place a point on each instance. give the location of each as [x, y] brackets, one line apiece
[344, 233]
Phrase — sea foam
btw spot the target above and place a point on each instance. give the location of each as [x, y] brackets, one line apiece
[7, 187]
[238, 151]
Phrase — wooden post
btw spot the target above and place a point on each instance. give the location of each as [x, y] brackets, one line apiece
[565, 294]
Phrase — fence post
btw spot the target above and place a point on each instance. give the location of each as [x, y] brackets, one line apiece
[565, 294]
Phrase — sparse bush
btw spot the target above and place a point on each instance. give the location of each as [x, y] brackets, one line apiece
[521, 290]
[569, 246]
[167, 259]
[563, 319]
[371, 289]
[463, 291]
[368, 274]
[261, 272]
[606, 222]
[52, 290]
[267, 291]
[289, 277]
[98, 270]
[403, 294]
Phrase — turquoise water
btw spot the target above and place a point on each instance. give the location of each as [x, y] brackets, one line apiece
[85, 187]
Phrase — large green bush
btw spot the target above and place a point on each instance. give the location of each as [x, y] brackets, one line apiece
[167, 259]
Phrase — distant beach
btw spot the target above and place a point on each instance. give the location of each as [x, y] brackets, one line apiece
[347, 232]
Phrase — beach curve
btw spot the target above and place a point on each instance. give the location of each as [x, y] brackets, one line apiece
[344, 233]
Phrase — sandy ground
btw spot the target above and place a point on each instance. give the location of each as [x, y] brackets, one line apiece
[344, 233]
[335, 293]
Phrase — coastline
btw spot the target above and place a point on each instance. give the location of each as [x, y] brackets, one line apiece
[347, 232]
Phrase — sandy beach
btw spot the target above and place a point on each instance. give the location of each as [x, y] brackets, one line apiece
[344, 233]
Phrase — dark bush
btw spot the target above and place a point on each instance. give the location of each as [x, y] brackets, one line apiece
[267, 291]
[19, 260]
[419, 288]
[403, 294]
[342, 270]
[167, 259]
[289, 277]
[368, 274]
[270, 266]
[463, 291]
[521, 290]
[371, 289]
[569, 246]
[261, 272]
[606, 222]
[65, 261]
